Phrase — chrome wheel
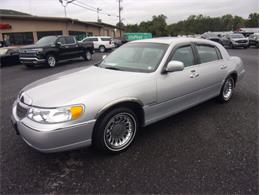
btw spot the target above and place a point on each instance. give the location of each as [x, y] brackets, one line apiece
[228, 89]
[51, 61]
[120, 131]
[102, 49]
[88, 55]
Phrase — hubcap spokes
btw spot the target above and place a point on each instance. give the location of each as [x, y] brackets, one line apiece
[119, 131]
[51, 61]
[227, 91]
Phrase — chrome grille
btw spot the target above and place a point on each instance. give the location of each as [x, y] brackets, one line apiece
[21, 111]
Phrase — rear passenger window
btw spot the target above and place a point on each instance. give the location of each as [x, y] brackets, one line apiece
[185, 55]
[106, 39]
[207, 53]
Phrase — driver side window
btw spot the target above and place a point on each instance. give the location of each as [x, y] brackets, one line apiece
[184, 54]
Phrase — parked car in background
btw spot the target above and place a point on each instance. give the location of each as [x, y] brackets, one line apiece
[119, 41]
[211, 36]
[138, 84]
[50, 49]
[9, 56]
[235, 40]
[254, 39]
[101, 43]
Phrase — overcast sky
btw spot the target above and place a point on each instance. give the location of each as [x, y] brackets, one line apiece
[135, 10]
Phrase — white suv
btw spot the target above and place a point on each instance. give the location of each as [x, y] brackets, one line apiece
[101, 43]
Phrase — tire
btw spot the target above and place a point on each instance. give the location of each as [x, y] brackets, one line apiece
[87, 55]
[102, 49]
[115, 131]
[227, 90]
[51, 60]
[29, 65]
[257, 45]
[232, 46]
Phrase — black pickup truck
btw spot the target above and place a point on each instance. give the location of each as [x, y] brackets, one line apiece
[50, 49]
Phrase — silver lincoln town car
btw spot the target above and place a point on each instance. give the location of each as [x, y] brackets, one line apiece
[138, 84]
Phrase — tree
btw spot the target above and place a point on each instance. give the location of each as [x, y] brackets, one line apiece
[253, 20]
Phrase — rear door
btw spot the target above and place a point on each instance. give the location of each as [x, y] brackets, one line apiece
[72, 46]
[212, 70]
[63, 50]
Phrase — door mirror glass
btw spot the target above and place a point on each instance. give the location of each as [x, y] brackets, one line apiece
[59, 43]
[174, 66]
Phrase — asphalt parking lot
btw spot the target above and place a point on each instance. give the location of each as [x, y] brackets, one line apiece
[209, 149]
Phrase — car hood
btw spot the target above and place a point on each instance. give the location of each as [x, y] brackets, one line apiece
[33, 47]
[68, 87]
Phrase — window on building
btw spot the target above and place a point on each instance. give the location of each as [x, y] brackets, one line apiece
[78, 35]
[89, 34]
[41, 34]
[23, 38]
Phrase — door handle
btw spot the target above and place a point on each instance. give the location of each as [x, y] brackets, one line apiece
[194, 74]
[223, 67]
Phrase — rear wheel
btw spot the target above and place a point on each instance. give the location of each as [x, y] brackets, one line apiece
[227, 90]
[115, 131]
[102, 49]
[51, 60]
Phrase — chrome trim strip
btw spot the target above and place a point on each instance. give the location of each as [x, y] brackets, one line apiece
[36, 59]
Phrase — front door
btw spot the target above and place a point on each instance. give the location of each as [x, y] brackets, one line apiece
[178, 90]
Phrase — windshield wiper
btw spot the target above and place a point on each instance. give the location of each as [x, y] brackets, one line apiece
[112, 68]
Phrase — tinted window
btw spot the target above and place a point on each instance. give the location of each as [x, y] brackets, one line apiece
[48, 33]
[106, 39]
[61, 40]
[90, 39]
[24, 38]
[185, 55]
[46, 41]
[207, 53]
[69, 40]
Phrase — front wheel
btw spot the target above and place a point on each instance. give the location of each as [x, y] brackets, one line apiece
[51, 61]
[227, 90]
[88, 55]
[115, 131]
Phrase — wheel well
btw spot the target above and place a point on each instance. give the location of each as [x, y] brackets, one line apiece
[234, 76]
[51, 53]
[134, 106]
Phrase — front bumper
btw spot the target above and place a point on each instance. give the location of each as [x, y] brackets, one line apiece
[27, 60]
[236, 44]
[54, 139]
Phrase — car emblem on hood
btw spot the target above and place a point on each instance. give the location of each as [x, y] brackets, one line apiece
[24, 98]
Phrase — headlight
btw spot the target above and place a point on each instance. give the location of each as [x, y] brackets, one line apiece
[55, 115]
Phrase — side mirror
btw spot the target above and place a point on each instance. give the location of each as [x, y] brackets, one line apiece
[174, 66]
[104, 56]
[58, 44]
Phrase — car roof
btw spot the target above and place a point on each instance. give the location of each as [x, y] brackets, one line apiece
[173, 40]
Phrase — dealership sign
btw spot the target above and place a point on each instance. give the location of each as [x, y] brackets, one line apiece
[5, 26]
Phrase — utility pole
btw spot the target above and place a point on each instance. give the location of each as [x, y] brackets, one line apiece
[98, 10]
[120, 21]
[65, 3]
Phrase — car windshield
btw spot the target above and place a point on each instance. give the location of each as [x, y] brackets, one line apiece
[47, 40]
[237, 36]
[137, 57]
[3, 51]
